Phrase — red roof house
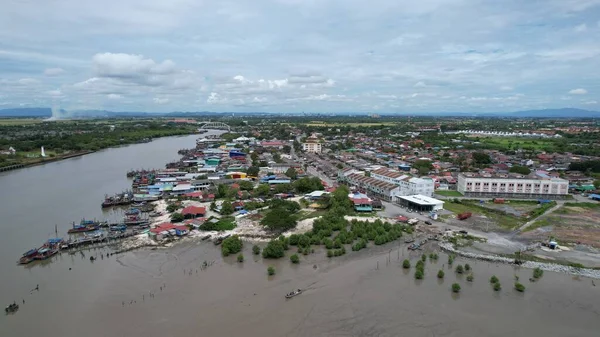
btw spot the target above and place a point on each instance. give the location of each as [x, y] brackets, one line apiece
[193, 212]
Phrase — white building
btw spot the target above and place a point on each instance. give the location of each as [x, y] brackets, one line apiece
[420, 202]
[538, 185]
[312, 145]
[408, 185]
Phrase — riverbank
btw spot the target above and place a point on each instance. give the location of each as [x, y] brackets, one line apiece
[44, 160]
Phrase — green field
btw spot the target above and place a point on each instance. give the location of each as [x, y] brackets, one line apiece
[20, 121]
[517, 143]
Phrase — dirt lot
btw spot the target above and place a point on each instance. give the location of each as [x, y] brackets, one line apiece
[516, 208]
[483, 219]
[572, 223]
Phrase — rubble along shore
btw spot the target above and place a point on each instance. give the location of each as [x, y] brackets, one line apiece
[584, 272]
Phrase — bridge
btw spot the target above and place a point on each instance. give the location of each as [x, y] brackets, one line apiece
[214, 125]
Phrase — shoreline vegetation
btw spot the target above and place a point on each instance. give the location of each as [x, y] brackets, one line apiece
[68, 139]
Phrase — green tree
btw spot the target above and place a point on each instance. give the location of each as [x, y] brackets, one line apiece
[246, 185]
[406, 264]
[537, 273]
[459, 269]
[240, 258]
[232, 245]
[283, 188]
[177, 217]
[524, 170]
[255, 250]
[455, 287]
[291, 173]
[213, 206]
[172, 208]
[519, 287]
[470, 277]
[467, 267]
[222, 191]
[274, 250]
[494, 279]
[271, 271]
[262, 190]
[279, 219]
[481, 159]
[294, 258]
[419, 274]
[226, 208]
[253, 171]
[497, 286]
[440, 274]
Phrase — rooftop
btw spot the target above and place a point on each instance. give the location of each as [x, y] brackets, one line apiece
[421, 200]
[490, 175]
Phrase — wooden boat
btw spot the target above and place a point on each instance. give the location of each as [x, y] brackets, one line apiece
[11, 308]
[294, 293]
[206, 237]
[28, 256]
[84, 226]
[132, 211]
[409, 240]
[220, 239]
[118, 228]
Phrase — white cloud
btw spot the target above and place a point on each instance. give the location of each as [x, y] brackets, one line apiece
[129, 66]
[158, 100]
[590, 102]
[419, 56]
[28, 81]
[579, 91]
[53, 71]
[581, 28]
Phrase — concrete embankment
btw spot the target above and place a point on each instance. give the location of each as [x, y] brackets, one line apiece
[584, 272]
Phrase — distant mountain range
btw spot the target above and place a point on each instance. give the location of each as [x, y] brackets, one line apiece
[47, 112]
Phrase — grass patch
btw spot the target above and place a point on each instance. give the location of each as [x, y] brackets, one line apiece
[539, 223]
[309, 215]
[591, 205]
[449, 193]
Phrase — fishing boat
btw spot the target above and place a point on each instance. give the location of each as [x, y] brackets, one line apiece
[134, 220]
[11, 308]
[46, 253]
[206, 237]
[138, 204]
[28, 256]
[154, 214]
[409, 240]
[132, 211]
[118, 228]
[84, 226]
[294, 293]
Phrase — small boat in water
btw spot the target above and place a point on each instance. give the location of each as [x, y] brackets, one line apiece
[206, 237]
[294, 293]
[139, 204]
[11, 308]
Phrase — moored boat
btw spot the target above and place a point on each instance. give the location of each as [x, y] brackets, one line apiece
[132, 211]
[28, 256]
[118, 228]
[84, 226]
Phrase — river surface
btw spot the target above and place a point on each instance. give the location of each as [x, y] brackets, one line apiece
[167, 292]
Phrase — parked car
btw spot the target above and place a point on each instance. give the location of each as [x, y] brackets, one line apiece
[428, 223]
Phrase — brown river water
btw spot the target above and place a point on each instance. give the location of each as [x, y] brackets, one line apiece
[358, 294]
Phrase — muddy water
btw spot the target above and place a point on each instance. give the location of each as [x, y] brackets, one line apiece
[346, 296]
[356, 295]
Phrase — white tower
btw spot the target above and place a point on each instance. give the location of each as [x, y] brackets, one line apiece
[43, 153]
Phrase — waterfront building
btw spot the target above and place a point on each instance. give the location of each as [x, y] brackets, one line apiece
[362, 203]
[511, 185]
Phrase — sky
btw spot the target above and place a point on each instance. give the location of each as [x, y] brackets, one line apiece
[375, 56]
